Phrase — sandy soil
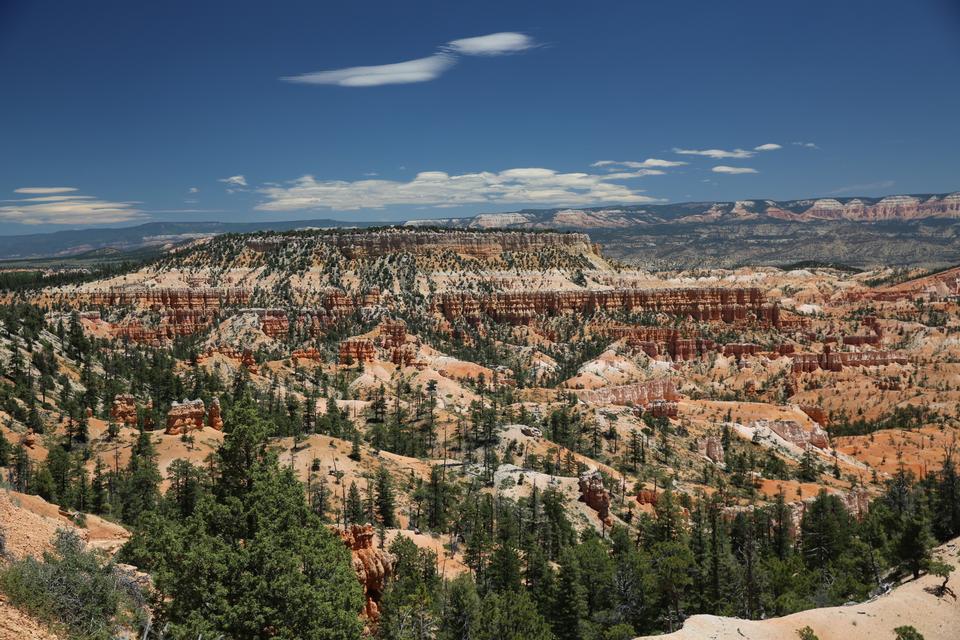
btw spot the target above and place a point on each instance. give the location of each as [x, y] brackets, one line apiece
[16, 625]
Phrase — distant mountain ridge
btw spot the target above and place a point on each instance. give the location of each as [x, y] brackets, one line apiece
[894, 208]
[883, 219]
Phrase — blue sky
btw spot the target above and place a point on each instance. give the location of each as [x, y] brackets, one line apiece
[125, 112]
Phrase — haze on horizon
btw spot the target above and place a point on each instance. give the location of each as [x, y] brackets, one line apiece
[124, 113]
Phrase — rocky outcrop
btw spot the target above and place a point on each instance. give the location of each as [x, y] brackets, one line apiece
[214, 420]
[662, 409]
[639, 394]
[192, 415]
[794, 433]
[185, 416]
[593, 493]
[831, 360]
[123, 410]
[172, 324]
[354, 350]
[373, 566]
[309, 355]
[244, 358]
[647, 496]
[747, 305]
[712, 448]
[393, 333]
[164, 298]
[815, 413]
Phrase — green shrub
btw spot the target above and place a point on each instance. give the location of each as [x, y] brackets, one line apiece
[74, 589]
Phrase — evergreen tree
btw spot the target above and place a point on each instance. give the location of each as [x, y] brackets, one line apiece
[140, 488]
[386, 502]
[5, 450]
[354, 512]
[570, 600]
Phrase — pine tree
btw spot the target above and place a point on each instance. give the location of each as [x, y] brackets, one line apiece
[946, 501]
[354, 512]
[386, 502]
[140, 487]
[5, 450]
[570, 601]
[98, 490]
[461, 613]
[503, 573]
[355, 447]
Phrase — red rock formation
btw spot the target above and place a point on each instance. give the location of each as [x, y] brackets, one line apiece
[373, 566]
[740, 349]
[393, 333]
[310, 354]
[274, 322]
[638, 394]
[831, 360]
[164, 298]
[522, 307]
[353, 350]
[595, 495]
[214, 420]
[185, 416]
[403, 356]
[123, 410]
[646, 496]
[817, 414]
[173, 323]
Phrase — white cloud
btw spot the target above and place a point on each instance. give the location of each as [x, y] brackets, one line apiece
[732, 170]
[531, 185]
[194, 190]
[716, 153]
[808, 145]
[66, 209]
[236, 181]
[494, 44]
[420, 69]
[633, 164]
[44, 190]
[770, 146]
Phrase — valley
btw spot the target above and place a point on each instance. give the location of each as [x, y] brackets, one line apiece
[520, 418]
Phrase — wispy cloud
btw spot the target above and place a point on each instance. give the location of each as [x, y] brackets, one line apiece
[808, 145]
[236, 181]
[716, 153]
[634, 164]
[732, 170]
[770, 146]
[860, 188]
[531, 185]
[420, 69]
[66, 207]
[193, 190]
[43, 190]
